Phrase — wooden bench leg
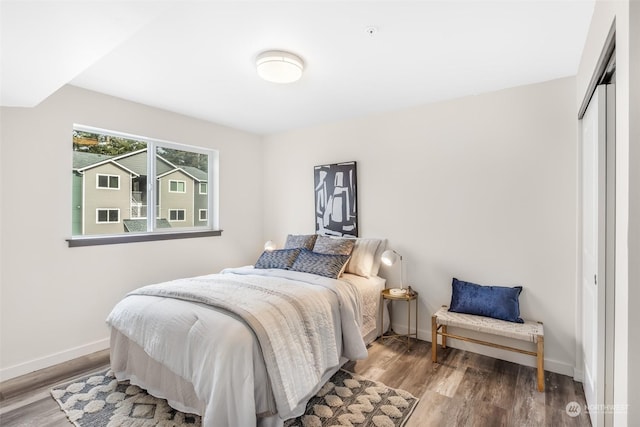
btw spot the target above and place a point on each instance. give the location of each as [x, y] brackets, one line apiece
[434, 339]
[444, 338]
[540, 363]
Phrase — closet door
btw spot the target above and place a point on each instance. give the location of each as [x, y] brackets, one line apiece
[593, 284]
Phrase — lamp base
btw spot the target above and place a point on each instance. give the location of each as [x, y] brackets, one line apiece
[397, 291]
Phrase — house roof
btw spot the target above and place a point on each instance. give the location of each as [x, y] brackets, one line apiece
[134, 162]
[113, 159]
[198, 174]
[183, 170]
[140, 225]
[82, 159]
[138, 163]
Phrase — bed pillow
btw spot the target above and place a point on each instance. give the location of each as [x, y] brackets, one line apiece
[377, 258]
[363, 257]
[333, 245]
[281, 258]
[326, 265]
[297, 241]
[498, 302]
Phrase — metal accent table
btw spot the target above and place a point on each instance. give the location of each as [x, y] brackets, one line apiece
[385, 294]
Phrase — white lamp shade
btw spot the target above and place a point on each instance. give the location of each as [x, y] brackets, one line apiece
[389, 257]
[269, 246]
[279, 67]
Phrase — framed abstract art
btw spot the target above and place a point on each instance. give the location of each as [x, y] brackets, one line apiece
[336, 200]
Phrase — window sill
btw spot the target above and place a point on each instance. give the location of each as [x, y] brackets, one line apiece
[132, 238]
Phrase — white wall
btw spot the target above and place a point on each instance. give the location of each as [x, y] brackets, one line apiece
[54, 298]
[633, 260]
[627, 271]
[481, 188]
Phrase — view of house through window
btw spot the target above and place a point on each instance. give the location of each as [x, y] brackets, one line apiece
[120, 182]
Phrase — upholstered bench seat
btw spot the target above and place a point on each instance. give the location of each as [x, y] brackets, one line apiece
[530, 331]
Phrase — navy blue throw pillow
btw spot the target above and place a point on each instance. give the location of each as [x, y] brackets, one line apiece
[499, 302]
[327, 265]
[282, 259]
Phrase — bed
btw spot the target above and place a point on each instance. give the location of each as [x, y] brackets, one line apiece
[248, 346]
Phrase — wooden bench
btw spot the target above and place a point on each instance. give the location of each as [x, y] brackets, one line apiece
[528, 331]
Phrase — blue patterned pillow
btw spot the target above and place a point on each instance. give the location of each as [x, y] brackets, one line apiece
[334, 245]
[282, 258]
[498, 302]
[326, 265]
[299, 241]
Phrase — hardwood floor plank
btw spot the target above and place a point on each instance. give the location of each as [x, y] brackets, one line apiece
[529, 403]
[472, 414]
[41, 413]
[502, 384]
[57, 373]
[432, 410]
[556, 417]
[403, 367]
[472, 387]
[561, 390]
[420, 362]
[444, 379]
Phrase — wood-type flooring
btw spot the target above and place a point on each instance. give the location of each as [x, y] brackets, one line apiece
[463, 389]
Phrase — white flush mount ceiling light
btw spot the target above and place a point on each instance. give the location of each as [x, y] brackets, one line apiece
[279, 67]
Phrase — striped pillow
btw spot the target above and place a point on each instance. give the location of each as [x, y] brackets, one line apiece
[333, 245]
[305, 241]
[326, 265]
[282, 259]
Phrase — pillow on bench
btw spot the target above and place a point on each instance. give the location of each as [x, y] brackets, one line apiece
[498, 302]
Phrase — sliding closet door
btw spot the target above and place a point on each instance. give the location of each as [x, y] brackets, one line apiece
[594, 180]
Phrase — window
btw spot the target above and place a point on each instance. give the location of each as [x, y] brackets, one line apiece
[177, 214]
[107, 215]
[164, 188]
[177, 186]
[108, 181]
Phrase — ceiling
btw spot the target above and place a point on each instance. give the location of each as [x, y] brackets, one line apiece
[198, 57]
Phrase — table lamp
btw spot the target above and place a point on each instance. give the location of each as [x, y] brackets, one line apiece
[390, 257]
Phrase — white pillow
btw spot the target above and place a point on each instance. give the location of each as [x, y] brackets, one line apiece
[363, 257]
[377, 259]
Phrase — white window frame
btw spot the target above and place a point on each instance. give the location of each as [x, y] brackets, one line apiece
[109, 176]
[178, 181]
[107, 221]
[184, 215]
[200, 184]
[153, 232]
[206, 214]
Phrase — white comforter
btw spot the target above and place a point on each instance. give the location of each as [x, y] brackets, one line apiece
[221, 358]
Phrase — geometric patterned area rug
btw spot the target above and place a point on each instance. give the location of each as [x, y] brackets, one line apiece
[347, 399]
[99, 400]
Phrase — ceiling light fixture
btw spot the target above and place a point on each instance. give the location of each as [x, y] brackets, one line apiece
[279, 67]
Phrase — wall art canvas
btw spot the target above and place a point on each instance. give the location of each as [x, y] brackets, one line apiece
[336, 201]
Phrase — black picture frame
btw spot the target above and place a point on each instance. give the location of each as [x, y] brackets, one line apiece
[336, 199]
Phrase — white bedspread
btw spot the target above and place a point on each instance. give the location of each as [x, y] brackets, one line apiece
[221, 364]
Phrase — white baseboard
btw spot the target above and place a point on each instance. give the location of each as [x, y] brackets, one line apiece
[53, 359]
[551, 365]
[578, 375]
